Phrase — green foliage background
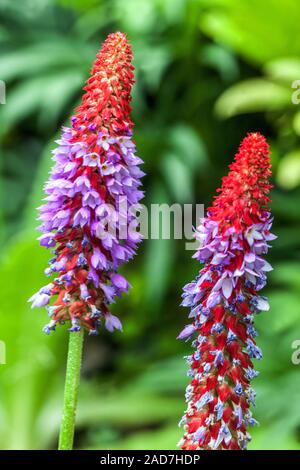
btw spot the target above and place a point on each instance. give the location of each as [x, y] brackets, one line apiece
[207, 72]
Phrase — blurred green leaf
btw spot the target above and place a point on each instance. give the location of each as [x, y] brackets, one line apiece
[33, 359]
[163, 439]
[248, 27]
[153, 62]
[37, 192]
[59, 93]
[127, 409]
[288, 173]
[23, 100]
[48, 95]
[287, 274]
[285, 70]
[178, 177]
[189, 146]
[166, 376]
[159, 258]
[35, 58]
[252, 96]
[78, 4]
[296, 123]
[222, 60]
[285, 311]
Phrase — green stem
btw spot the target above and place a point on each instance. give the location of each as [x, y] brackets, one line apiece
[67, 428]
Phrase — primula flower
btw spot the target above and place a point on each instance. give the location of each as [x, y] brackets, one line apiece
[95, 170]
[223, 299]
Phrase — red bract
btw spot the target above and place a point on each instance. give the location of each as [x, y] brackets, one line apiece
[106, 103]
[244, 193]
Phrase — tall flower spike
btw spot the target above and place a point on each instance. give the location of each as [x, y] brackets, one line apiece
[94, 184]
[223, 299]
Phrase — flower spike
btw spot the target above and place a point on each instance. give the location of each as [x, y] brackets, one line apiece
[93, 185]
[223, 299]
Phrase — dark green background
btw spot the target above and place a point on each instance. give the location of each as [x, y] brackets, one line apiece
[207, 72]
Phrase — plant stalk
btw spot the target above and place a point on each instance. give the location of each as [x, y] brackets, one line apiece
[67, 429]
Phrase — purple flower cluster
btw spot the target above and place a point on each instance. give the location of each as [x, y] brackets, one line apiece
[89, 223]
[234, 237]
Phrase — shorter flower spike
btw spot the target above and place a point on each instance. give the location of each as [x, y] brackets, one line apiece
[223, 299]
[92, 189]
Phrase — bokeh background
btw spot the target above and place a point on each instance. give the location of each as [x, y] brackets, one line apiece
[207, 72]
